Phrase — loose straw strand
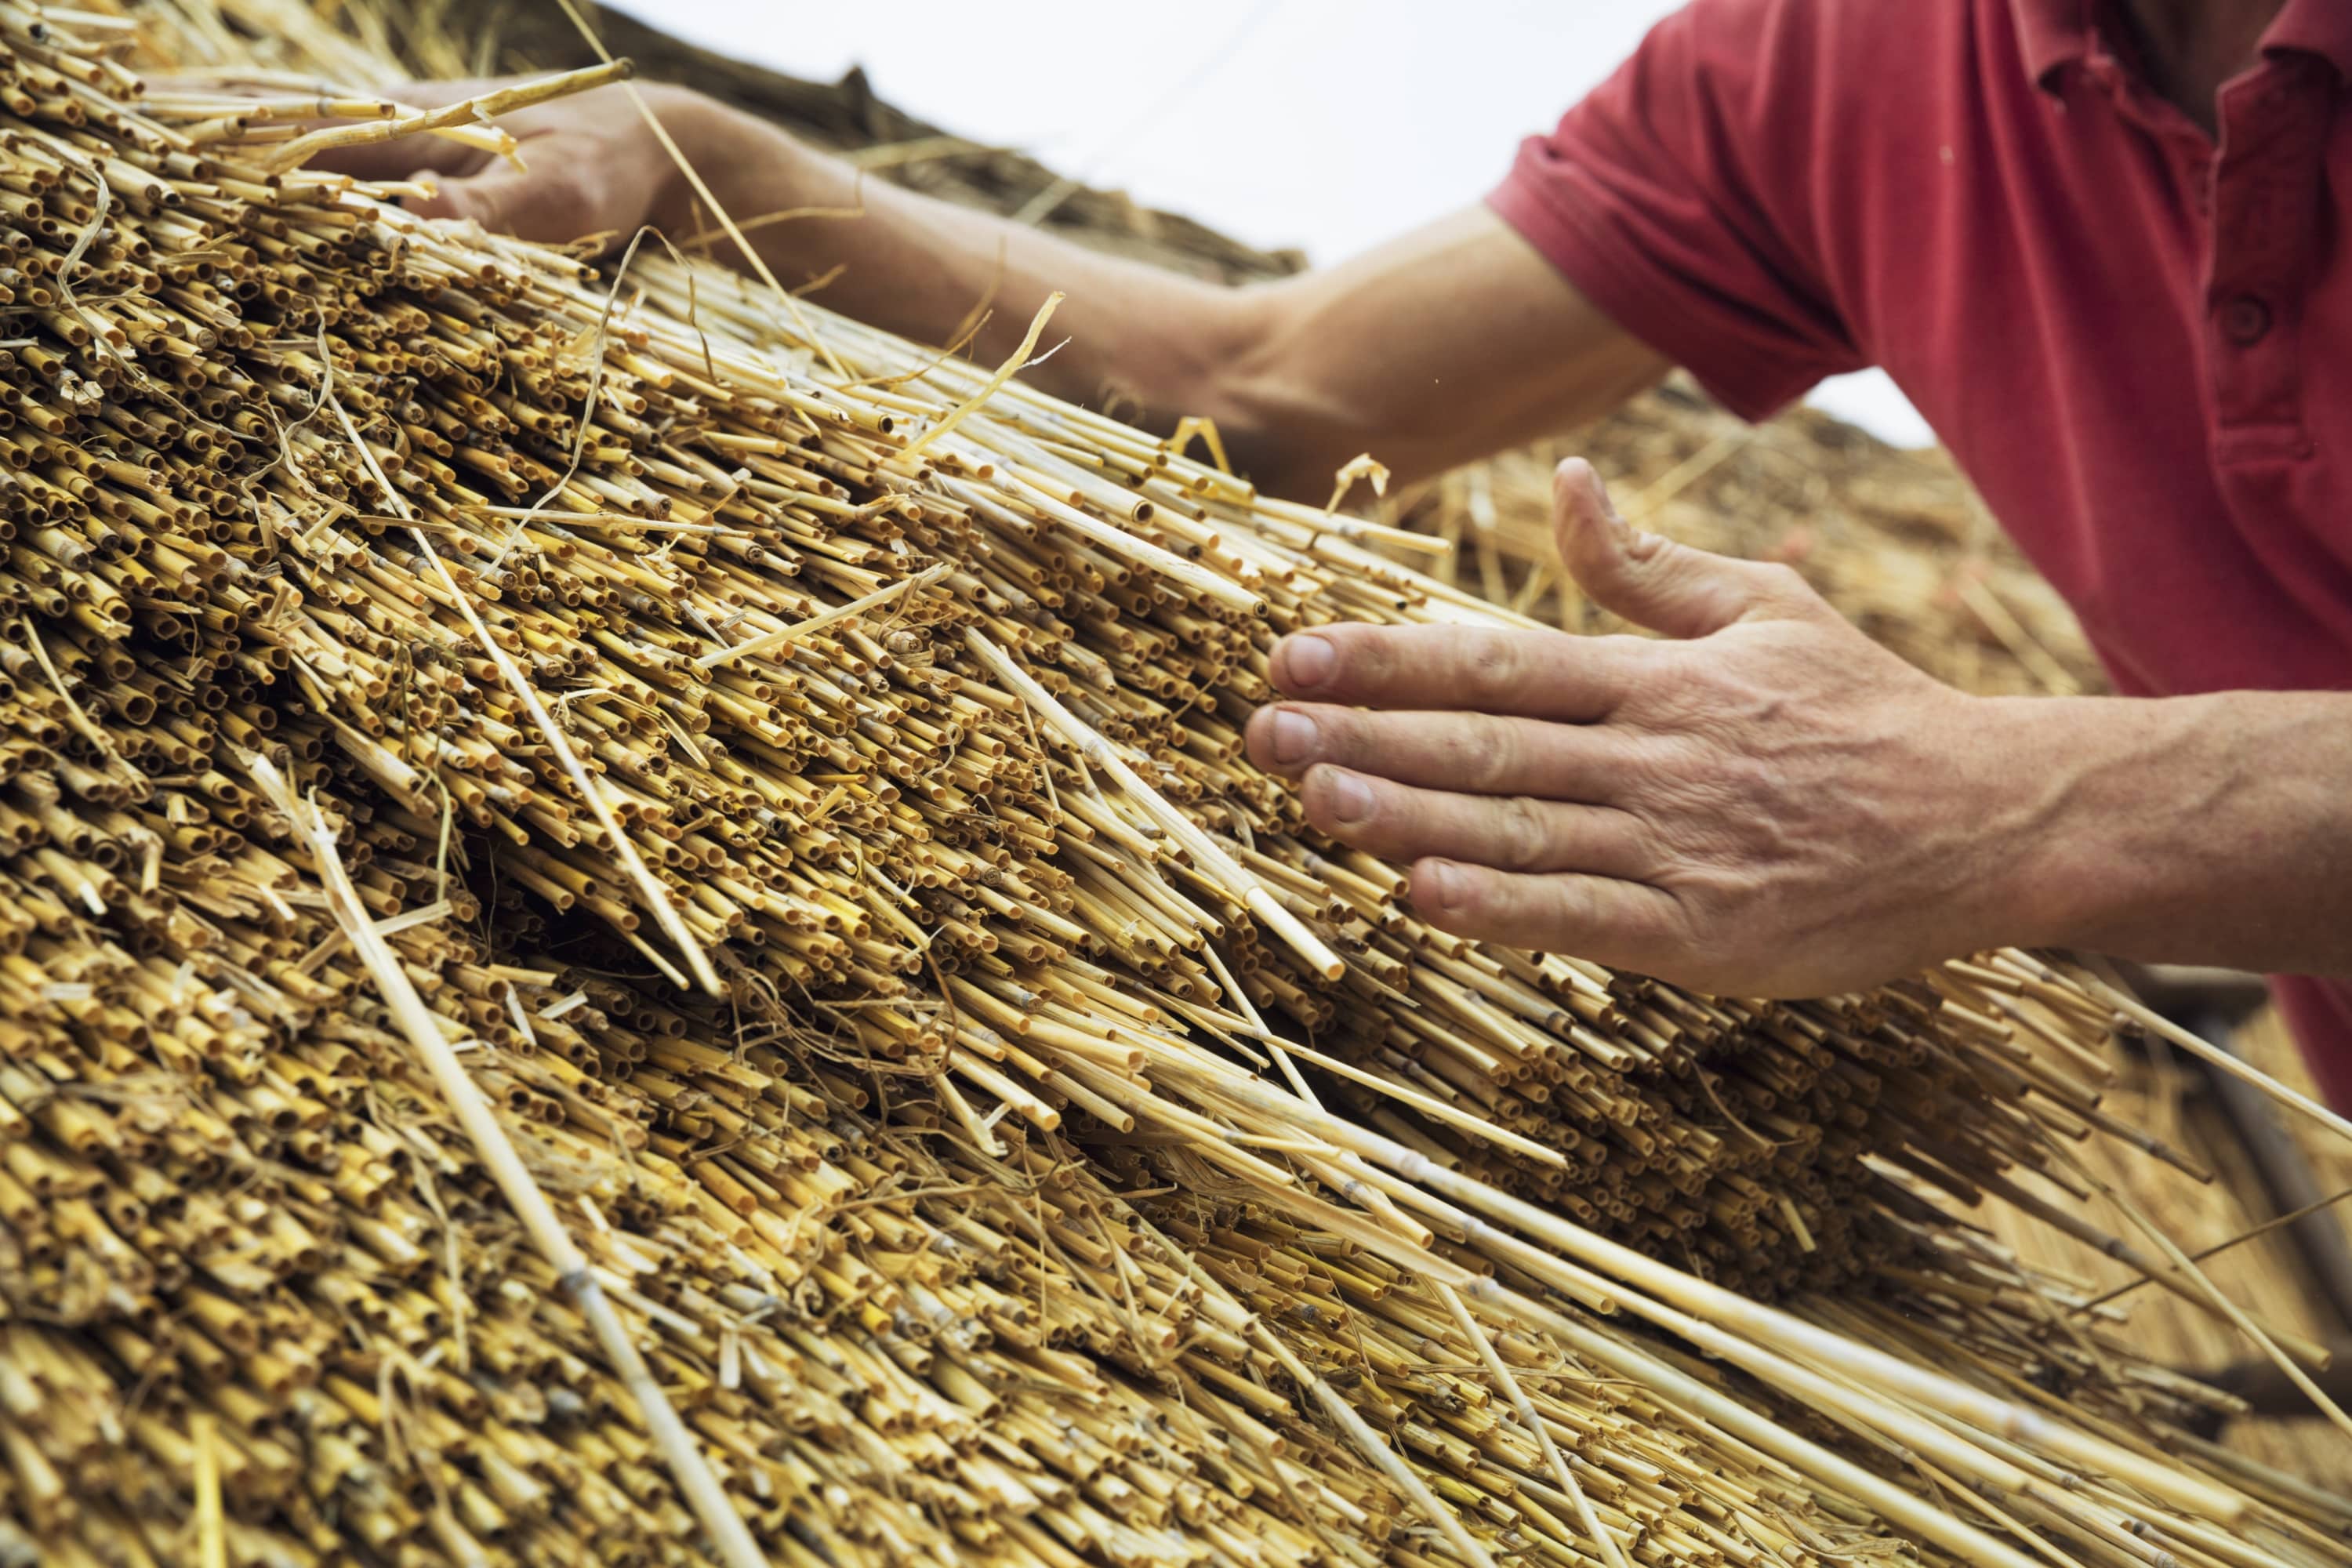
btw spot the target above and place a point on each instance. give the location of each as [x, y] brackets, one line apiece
[687, 1465]
[1510, 1388]
[2204, 1050]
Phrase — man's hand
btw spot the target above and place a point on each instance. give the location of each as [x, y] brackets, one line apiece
[1772, 806]
[592, 164]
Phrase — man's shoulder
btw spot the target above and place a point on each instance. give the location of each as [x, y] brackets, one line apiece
[1857, 69]
[1860, 47]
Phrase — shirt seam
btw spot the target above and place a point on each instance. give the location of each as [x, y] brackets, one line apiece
[1609, 269]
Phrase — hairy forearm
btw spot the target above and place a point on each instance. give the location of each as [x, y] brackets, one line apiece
[2212, 829]
[1442, 346]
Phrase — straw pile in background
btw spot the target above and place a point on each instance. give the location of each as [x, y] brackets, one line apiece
[538, 806]
[2172, 1099]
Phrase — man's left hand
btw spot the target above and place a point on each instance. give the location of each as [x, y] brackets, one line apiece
[1767, 804]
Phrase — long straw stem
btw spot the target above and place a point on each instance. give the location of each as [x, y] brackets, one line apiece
[2212, 1055]
[1501, 1373]
[497, 1152]
[767, 642]
[1968, 1544]
[1717, 1305]
[1227, 872]
[2255, 1233]
[468, 111]
[2184, 1265]
[650, 889]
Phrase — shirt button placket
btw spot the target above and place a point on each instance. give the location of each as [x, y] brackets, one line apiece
[2265, 184]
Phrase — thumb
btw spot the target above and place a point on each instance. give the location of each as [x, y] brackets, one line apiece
[1653, 581]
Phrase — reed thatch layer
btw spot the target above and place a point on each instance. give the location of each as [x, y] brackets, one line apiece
[793, 781]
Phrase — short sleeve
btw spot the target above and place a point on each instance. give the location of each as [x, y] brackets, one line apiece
[1681, 198]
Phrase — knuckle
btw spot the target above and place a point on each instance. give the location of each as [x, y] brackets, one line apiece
[1357, 664]
[499, 209]
[1494, 671]
[1640, 658]
[1340, 736]
[1779, 580]
[571, 192]
[1487, 753]
[1572, 908]
[1362, 652]
[1525, 834]
[1315, 795]
[1653, 557]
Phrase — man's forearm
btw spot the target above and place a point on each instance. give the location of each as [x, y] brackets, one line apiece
[1444, 345]
[923, 268]
[2212, 829]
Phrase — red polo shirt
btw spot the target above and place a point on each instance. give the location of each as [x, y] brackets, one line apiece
[2138, 343]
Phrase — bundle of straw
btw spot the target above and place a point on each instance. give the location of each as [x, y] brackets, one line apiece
[633, 930]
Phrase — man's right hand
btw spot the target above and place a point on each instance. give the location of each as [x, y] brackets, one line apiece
[595, 167]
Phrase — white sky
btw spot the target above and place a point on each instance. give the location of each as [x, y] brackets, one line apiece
[1325, 124]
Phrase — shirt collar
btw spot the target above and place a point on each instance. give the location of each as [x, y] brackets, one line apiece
[2322, 28]
[2054, 34]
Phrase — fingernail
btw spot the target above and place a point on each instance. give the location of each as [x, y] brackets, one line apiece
[1294, 736]
[1350, 801]
[1445, 880]
[1308, 660]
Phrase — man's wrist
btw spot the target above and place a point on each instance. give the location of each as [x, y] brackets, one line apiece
[709, 135]
[2103, 835]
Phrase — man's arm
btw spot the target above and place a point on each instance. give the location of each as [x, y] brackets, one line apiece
[1452, 342]
[1772, 804]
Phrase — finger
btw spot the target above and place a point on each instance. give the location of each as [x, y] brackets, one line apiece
[400, 158]
[1473, 753]
[1626, 925]
[1533, 674]
[1653, 581]
[1508, 833]
[545, 206]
